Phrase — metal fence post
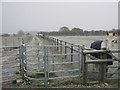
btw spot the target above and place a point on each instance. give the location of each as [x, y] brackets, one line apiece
[79, 59]
[20, 59]
[54, 41]
[47, 63]
[71, 52]
[57, 44]
[65, 50]
[45, 67]
[53, 49]
[60, 46]
[38, 55]
[23, 61]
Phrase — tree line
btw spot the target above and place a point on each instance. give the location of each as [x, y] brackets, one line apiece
[20, 33]
[65, 31]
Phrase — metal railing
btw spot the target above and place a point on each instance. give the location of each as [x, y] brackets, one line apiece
[49, 65]
[85, 52]
[44, 59]
[9, 63]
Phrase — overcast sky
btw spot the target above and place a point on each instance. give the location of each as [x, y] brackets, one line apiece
[50, 16]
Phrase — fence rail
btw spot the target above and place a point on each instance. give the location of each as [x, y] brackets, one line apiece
[10, 63]
[84, 52]
[46, 62]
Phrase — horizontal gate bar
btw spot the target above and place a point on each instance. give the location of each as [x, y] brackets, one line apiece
[28, 71]
[98, 61]
[101, 51]
[63, 63]
[3, 47]
[63, 54]
[64, 71]
[33, 78]
[64, 77]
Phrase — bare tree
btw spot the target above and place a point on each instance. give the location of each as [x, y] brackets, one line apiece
[20, 33]
[64, 29]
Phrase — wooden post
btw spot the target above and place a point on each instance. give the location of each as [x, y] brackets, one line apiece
[82, 58]
[102, 70]
[65, 50]
[71, 52]
[84, 70]
[79, 59]
[83, 66]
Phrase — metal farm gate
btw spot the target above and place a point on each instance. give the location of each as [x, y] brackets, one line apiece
[49, 61]
[53, 62]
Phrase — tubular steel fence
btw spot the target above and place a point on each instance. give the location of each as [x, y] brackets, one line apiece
[58, 61]
[46, 63]
[84, 55]
[9, 63]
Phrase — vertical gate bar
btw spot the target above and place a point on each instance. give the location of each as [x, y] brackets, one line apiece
[47, 64]
[20, 58]
[79, 59]
[53, 48]
[24, 61]
[65, 50]
[60, 46]
[45, 67]
[38, 56]
[55, 41]
[57, 44]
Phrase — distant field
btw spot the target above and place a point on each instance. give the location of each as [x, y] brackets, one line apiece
[14, 41]
[81, 40]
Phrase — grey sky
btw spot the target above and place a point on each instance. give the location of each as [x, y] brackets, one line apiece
[51, 16]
